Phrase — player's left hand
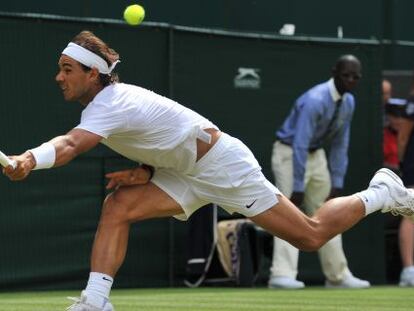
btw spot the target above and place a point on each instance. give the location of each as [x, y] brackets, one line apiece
[135, 176]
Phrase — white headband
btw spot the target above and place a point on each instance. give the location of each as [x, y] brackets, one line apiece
[88, 58]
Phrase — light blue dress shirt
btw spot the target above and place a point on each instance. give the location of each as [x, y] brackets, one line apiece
[306, 128]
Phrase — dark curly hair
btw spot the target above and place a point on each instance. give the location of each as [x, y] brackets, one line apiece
[90, 41]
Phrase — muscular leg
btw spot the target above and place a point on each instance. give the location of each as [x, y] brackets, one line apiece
[286, 221]
[126, 205]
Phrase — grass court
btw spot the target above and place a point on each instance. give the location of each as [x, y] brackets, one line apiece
[378, 298]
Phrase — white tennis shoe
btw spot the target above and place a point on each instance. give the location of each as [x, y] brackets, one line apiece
[400, 200]
[81, 304]
[349, 281]
[285, 282]
[407, 277]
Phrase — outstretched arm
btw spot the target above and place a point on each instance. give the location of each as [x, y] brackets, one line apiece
[75, 142]
[57, 152]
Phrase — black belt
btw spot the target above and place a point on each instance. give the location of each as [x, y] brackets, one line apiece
[310, 150]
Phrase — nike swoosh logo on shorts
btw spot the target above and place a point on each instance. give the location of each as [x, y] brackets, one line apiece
[250, 205]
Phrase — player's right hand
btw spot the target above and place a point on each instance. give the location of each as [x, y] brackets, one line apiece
[24, 164]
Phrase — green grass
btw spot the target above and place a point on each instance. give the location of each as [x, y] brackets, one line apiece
[226, 299]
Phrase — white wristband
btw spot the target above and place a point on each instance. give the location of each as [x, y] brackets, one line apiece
[45, 156]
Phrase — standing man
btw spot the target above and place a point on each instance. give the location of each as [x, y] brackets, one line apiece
[322, 115]
[190, 163]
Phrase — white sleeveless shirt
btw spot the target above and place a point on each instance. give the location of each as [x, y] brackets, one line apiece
[145, 127]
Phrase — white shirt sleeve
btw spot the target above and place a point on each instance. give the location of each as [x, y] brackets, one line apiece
[102, 119]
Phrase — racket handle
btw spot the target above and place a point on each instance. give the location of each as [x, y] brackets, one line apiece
[13, 164]
[6, 161]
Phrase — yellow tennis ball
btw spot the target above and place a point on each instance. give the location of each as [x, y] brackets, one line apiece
[134, 14]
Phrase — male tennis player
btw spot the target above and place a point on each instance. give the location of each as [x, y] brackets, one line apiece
[189, 163]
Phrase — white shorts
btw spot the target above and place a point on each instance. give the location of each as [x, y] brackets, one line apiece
[227, 175]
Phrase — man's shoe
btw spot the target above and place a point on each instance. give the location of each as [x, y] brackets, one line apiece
[349, 281]
[400, 200]
[81, 304]
[407, 277]
[285, 283]
[108, 307]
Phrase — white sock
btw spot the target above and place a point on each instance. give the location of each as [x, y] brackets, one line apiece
[373, 199]
[98, 288]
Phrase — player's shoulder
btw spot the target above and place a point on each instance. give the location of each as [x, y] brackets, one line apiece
[108, 98]
[117, 89]
[119, 92]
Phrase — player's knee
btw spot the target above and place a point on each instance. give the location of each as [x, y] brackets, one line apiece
[309, 242]
[312, 245]
[116, 208]
[113, 210]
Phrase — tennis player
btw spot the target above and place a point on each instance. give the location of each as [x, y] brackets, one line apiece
[189, 162]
